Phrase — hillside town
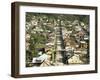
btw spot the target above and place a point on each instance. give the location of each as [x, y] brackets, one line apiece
[56, 39]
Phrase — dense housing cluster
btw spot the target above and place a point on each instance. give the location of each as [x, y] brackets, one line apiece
[56, 39]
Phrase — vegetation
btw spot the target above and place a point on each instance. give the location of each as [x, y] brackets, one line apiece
[40, 29]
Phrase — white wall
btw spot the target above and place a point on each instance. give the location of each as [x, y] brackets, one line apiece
[5, 40]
